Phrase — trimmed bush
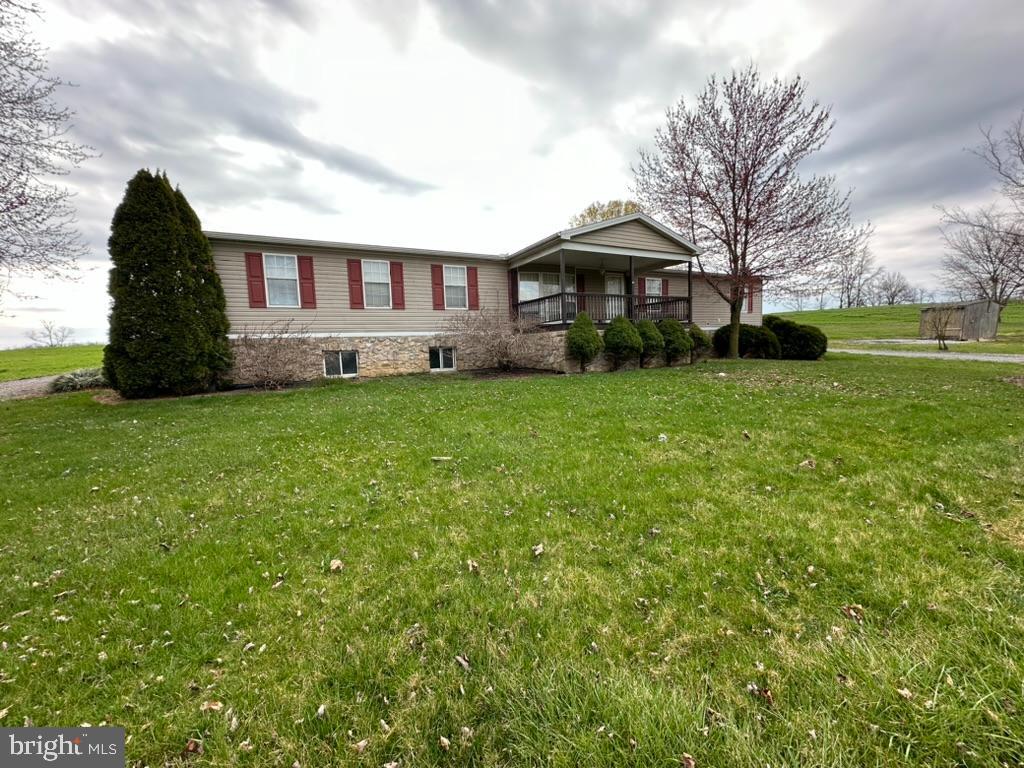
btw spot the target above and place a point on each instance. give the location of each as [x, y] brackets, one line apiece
[622, 342]
[651, 339]
[167, 325]
[583, 342]
[796, 341]
[75, 381]
[701, 340]
[755, 341]
[678, 343]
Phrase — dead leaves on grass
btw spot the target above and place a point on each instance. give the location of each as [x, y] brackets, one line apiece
[854, 612]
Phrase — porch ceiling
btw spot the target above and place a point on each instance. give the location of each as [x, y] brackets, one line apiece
[575, 257]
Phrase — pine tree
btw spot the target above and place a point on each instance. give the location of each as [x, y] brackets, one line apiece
[160, 340]
[209, 291]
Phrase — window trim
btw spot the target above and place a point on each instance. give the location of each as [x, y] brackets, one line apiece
[266, 285]
[362, 269]
[440, 357]
[464, 286]
[341, 365]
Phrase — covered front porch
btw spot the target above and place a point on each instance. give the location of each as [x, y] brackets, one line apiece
[552, 288]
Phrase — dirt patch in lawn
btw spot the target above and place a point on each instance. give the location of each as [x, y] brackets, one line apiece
[1018, 380]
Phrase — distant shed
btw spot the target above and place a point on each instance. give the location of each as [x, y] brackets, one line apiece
[962, 320]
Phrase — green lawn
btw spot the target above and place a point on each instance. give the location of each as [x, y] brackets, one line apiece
[29, 362]
[901, 322]
[165, 566]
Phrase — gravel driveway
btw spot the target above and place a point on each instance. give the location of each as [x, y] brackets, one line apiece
[21, 388]
[975, 356]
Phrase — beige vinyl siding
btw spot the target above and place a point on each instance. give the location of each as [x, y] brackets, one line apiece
[631, 234]
[332, 313]
[710, 310]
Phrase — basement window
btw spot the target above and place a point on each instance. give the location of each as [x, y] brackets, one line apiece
[442, 358]
[343, 363]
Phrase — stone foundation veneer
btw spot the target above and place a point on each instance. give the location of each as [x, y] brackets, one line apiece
[398, 355]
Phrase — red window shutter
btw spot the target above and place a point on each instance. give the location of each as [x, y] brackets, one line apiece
[473, 288]
[355, 284]
[664, 286]
[397, 285]
[254, 279]
[641, 286]
[437, 285]
[513, 290]
[307, 285]
[750, 298]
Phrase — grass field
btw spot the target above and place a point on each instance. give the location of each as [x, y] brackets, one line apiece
[753, 563]
[901, 322]
[30, 362]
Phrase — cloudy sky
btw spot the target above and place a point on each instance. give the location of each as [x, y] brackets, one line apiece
[483, 126]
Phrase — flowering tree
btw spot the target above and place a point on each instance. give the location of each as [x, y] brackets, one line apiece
[726, 171]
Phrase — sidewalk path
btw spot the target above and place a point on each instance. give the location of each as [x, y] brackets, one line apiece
[21, 388]
[975, 356]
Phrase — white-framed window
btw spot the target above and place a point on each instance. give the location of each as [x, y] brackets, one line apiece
[343, 363]
[652, 286]
[456, 288]
[442, 358]
[376, 284]
[533, 285]
[281, 274]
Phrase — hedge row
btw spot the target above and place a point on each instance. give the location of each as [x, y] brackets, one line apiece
[778, 338]
[623, 341]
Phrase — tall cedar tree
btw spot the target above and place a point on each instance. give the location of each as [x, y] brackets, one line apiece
[209, 291]
[726, 171]
[165, 336]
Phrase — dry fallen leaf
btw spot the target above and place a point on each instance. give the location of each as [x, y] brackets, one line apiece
[855, 612]
[463, 662]
[808, 464]
[906, 693]
[3, 712]
[360, 746]
[192, 747]
[538, 550]
[211, 706]
[336, 565]
[473, 566]
[445, 743]
[321, 711]
[687, 761]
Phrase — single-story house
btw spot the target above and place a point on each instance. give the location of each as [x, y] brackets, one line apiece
[374, 310]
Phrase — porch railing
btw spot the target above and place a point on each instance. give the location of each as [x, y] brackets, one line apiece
[604, 307]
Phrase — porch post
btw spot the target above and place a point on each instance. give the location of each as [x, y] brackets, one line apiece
[689, 292]
[630, 290]
[561, 284]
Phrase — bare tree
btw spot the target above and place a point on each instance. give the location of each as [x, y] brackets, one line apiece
[490, 338]
[937, 321]
[1004, 154]
[725, 171]
[985, 254]
[893, 288]
[37, 233]
[598, 211]
[853, 275]
[51, 335]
